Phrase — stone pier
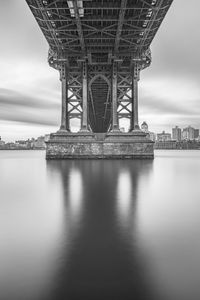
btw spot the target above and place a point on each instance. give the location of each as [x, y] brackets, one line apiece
[65, 145]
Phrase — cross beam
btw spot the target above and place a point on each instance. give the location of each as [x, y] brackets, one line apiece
[78, 24]
[120, 24]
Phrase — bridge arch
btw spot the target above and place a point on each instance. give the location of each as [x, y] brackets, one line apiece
[99, 101]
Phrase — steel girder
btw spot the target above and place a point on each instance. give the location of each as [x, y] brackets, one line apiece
[121, 27]
[99, 32]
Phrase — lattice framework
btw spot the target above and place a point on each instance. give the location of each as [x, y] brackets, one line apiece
[99, 32]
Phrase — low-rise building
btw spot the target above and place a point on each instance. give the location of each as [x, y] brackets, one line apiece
[46, 137]
[150, 135]
[39, 143]
[196, 133]
[2, 143]
[164, 136]
[170, 144]
[23, 144]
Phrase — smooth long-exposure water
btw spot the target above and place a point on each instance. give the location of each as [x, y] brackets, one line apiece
[99, 229]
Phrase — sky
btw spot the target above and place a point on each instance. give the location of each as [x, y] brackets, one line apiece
[30, 92]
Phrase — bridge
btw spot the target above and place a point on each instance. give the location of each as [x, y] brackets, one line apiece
[99, 47]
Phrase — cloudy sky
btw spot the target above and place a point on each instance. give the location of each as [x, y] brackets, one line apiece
[30, 89]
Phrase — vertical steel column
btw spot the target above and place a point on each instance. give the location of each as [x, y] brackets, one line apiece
[84, 120]
[64, 108]
[134, 115]
[115, 123]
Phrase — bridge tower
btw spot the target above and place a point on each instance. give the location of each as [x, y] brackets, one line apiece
[99, 48]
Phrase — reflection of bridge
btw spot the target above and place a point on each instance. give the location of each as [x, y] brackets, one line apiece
[99, 47]
[87, 193]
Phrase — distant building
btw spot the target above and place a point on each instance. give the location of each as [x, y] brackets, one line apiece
[176, 134]
[152, 136]
[198, 139]
[11, 146]
[196, 133]
[145, 128]
[23, 144]
[163, 137]
[30, 144]
[2, 143]
[46, 137]
[39, 143]
[190, 133]
[170, 144]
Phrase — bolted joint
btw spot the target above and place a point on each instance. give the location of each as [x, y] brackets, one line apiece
[114, 70]
[63, 71]
[136, 72]
[84, 68]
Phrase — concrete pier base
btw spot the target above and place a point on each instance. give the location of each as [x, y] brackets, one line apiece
[88, 145]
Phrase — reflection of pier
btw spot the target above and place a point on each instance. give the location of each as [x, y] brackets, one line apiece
[101, 257]
[99, 48]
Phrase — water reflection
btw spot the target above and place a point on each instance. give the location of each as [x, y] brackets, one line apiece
[129, 177]
[99, 229]
[124, 192]
[101, 262]
[169, 224]
[75, 194]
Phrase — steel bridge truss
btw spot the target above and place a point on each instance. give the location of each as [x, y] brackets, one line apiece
[99, 47]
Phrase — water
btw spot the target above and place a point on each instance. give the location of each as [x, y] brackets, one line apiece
[99, 229]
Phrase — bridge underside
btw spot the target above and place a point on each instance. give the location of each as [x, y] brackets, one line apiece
[99, 48]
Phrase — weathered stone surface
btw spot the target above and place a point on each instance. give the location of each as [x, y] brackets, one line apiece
[114, 146]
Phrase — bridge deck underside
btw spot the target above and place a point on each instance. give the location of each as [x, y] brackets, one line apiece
[101, 31]
[99, 26]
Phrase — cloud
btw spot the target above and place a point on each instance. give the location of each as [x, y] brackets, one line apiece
[159, 105]
[11, 97]
[12, 130]
[30, 91]
[16, 106]
[166, 102]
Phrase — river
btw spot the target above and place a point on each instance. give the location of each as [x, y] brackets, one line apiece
[100, 229]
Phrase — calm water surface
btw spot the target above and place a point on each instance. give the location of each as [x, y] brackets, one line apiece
[99, 229]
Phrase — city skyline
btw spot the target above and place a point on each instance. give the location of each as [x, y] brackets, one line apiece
[144, 127]
[30, 95]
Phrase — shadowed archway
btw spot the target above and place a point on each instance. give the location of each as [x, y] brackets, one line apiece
[99, 103]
